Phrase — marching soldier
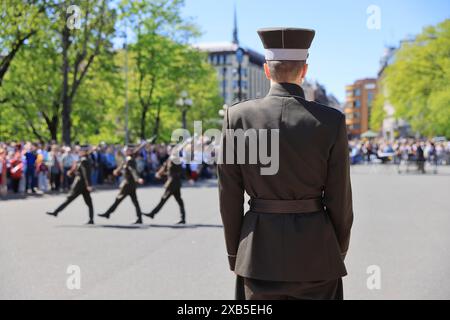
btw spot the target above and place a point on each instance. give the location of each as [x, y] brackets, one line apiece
[293, 241]
[129, 184]
[173, 172]
[81, 186]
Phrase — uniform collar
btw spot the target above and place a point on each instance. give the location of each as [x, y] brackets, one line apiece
[286, 89]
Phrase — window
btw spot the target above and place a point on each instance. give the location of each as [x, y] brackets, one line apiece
[370, 86]
[370, 97]
[357, 104]
[357, 92]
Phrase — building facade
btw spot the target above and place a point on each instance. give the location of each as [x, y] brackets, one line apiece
[242, 76]
[252, 82]
[358, 106]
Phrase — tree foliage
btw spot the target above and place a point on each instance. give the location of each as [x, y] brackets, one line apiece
[418, 81]
[68, 84]
[378, 112]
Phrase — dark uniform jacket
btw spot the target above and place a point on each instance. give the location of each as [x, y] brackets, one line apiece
[314, 164]
[174, 173]
[130, 174]
[82, 176]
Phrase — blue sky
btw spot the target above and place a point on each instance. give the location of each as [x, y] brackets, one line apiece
[344, 48]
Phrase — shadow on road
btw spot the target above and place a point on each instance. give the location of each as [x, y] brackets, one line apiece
[144, 227]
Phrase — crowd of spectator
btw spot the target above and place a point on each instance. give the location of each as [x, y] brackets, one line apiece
[28, 167]
[33, 167]
[403, 151]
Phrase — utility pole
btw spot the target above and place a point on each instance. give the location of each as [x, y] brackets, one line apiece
[127, 135]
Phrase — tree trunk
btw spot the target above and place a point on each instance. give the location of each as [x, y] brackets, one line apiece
[157, 121]
[65, 98]
[53, 128]
[143, 122]
[5, 63]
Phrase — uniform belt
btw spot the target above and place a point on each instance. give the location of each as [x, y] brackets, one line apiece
[286, 206]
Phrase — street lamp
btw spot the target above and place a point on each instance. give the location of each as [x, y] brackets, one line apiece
[240, 58]
[184, 103]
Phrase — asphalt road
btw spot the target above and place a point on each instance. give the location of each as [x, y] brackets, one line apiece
[402, 226]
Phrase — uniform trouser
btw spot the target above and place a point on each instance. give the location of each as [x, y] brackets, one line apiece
[121, 197]
[273, 290]
[177, 195]
[75, 194]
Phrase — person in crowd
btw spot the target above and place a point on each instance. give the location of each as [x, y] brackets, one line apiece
[42, 172]
[420, 158]
[95, 161]
[56, 168]
[16, 168]
[3, 174]
[68, 162]
[30, 170]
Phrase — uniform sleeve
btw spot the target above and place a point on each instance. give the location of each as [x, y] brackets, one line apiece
[163, 170]
[86, 172]
[231, 197]
[338, 190]
[133, 171]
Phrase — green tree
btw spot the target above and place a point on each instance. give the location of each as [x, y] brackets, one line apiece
[70, 82]
[162, 65]
[79, 49]
[46, 79]
[418, 81]
[378, 112]
[19, 21]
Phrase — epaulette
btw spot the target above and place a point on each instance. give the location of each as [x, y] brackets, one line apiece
[244, 101]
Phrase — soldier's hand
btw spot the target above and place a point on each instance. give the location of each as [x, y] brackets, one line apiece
[141, 181]
[157, 176]
[90, 189]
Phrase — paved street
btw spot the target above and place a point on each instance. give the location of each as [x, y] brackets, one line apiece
[402, 225]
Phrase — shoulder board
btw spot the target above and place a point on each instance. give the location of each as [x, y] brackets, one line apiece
[245, 101]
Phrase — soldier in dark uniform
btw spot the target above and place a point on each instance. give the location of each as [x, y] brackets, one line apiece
[82, 184]
[128, 186]
[292, 242]
[173, 172]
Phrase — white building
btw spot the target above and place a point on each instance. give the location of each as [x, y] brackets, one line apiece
[253, 80]
[254, 84]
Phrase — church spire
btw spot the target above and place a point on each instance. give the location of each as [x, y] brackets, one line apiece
[235, 30]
